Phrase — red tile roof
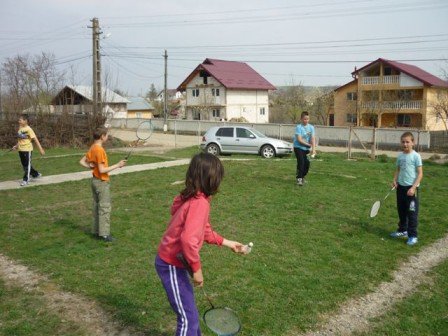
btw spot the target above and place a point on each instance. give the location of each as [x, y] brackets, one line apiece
[232, 75]
[412, 71]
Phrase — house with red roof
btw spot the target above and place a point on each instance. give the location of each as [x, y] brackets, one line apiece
[226, 90]
[387, 93]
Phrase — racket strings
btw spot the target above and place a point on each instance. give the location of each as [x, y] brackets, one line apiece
[222, 321]
[144, 130]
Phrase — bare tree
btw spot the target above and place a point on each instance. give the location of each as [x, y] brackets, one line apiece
[288, 104]
[440, 107]
[323, 100]
[151, 95]
[30, 81]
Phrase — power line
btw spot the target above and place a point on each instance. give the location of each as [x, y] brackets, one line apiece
[283, 44]
[339, 12]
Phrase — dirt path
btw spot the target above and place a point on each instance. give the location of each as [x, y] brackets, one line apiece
[354, 315]
[70, 307]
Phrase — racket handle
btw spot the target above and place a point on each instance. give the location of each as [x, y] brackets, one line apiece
[182, 259]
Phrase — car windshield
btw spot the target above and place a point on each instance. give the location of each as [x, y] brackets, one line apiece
[257, 133]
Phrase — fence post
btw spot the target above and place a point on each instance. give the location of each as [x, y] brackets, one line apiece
[349, 153]
[418, 141]
[175, 133]
[199, 132]
[373, 154]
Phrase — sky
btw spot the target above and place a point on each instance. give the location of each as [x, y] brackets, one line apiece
[289, 42]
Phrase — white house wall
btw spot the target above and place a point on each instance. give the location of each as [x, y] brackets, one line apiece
[232, 103]
[408, 81]
[247, 104]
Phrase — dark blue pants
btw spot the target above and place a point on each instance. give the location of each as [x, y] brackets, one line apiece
[407, 207]
[181, 297]
[303, 164]
[25, 159]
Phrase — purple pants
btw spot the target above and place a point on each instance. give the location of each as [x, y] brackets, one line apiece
[181, 297]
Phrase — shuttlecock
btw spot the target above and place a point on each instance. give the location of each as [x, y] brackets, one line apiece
[247, 248]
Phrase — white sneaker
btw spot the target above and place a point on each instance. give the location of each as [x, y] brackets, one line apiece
[412, 241]
[398, 234]
[23, 183]
[300, 181]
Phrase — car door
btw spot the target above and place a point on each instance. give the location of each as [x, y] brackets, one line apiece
[225, 137]
[246, 141]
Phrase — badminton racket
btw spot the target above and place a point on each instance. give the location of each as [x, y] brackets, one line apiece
[222, 321]
[7, 151]
[143, 133]
[376, 206]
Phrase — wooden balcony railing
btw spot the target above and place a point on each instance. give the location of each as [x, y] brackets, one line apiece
[395, 105]
[375, 80]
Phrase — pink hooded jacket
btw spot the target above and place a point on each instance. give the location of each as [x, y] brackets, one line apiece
[188, 228]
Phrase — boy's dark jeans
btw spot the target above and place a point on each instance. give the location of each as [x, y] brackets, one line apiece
[303, 164]
[407, 207]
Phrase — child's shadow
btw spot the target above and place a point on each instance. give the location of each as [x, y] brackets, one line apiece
[74, 226]
[132, 314]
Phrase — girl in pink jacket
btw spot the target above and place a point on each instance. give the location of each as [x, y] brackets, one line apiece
[189, 227]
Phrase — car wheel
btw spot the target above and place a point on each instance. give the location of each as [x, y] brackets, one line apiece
[267, 151]
[213, 149]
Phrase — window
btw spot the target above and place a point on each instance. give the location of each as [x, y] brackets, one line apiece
[352, 95]
[205, 79]
[195, 92]
[215, 92]
[225, 132]
[351, 118]
[387, 71]
[262, 111]
[138, 114]
[403, 120]
[405, 95]
[216, 113]
[244, 133]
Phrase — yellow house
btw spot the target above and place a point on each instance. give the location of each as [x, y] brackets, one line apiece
[386, 93]
[139, 107]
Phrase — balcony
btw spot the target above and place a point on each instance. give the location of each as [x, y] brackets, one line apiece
[376, 80]
[393, 105]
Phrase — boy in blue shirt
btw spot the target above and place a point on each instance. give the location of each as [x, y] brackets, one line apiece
[407, 178]
[304, 143]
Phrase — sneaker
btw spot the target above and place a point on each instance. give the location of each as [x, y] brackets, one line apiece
[300, 181]
[23, 183]
[32, 178]
[399, 234]
[108, 238]
[412, 241]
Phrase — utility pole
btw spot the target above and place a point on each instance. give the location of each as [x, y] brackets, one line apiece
[165, 96]
[97, 101]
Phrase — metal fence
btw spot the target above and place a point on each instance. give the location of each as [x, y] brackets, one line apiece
[355, 137]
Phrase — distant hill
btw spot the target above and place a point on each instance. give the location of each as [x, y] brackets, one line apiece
[309, 89]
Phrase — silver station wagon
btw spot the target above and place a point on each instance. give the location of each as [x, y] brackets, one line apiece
[246, 140]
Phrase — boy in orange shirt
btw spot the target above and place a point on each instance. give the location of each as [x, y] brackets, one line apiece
[96, 159]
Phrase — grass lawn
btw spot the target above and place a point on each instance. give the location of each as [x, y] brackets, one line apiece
[314, 246]
[59, 161]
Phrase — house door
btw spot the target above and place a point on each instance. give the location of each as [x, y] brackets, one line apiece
[331, 120]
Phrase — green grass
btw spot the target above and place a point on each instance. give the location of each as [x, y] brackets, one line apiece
[60, 161]
[429, 319]
[315, 246]
[25, 313]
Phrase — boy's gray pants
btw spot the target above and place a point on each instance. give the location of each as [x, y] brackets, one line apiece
[101, 207]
